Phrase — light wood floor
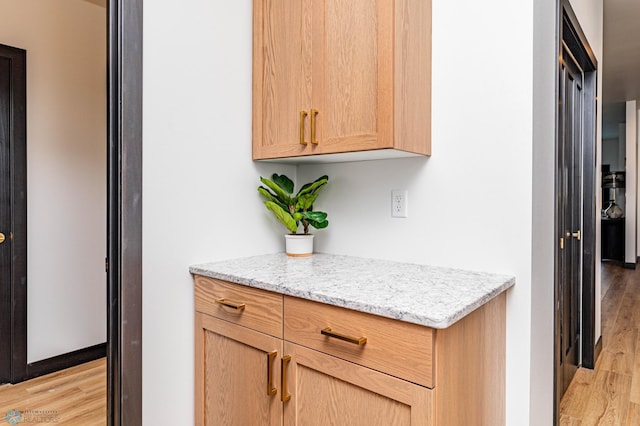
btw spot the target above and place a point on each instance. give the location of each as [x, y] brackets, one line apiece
[610, 394]
[75, 396]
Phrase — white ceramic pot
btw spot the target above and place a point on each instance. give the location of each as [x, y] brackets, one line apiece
[299, 245]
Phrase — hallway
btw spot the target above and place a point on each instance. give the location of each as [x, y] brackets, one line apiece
[610, 394]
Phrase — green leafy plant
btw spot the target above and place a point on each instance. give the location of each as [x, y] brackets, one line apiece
[289, 209]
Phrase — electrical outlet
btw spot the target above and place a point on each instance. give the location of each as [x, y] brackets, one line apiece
[399, 203]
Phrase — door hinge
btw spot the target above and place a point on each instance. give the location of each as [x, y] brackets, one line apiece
[106, 264]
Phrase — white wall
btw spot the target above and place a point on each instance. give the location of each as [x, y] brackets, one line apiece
[66, 161]
[199, 183]
[543, 238]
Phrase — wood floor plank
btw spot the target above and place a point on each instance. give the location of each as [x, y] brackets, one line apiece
[609, 400]
[610, 394]
[633, 415]
[574, 404]
[611, 303]
[569, 421]
[634, 395]
[76, 395]
[619, 355]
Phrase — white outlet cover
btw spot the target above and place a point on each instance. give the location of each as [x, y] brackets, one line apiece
[399, 203]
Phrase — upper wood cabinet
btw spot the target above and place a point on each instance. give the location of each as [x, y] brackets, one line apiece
[340, 76]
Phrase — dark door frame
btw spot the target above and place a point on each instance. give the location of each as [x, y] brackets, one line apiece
[124, 213]
[13, 298]
[571, 35]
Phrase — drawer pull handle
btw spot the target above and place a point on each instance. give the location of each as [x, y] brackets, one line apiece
[271, 357]
[355, 340]
[284, 394]
[230, 304]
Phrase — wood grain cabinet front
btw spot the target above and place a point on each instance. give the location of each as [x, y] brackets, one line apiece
[393, 347]
[250, 307]
[237, 378]
[340, 76]
[327, 390]
[330, 365]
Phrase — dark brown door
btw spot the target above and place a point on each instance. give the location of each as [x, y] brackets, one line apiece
[13, 181]
[569, 192]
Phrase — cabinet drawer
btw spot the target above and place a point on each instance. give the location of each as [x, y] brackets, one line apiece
[394, 347]
[262, 309]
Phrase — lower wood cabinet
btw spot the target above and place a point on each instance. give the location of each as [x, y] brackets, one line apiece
[242, 378]
[330, 391]
[307, 363]
[236, 373]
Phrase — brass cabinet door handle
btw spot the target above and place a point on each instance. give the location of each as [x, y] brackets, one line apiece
[2, 238]
[234, 305]
[303, 116]
[355, 340]
[284, 394]
[314, 114]
[271, 357]
[577, 235]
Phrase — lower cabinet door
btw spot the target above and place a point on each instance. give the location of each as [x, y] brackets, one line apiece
[325, 390]
[237, 375]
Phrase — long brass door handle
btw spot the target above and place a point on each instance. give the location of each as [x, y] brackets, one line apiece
[314, 114]
[228, 303]
[2, 238]
[577, 235]
[284, 393]
[303, 116]
[355, 340]
[271, 357]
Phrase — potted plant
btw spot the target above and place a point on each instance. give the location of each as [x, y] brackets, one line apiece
[292, 210]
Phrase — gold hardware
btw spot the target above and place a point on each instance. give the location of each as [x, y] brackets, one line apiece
[561, 243]
[284, 395]
[2, 238]
[271, 356]
[303, 115]
[230, 304]
[576, 235]
[314, 114]
[355, 340]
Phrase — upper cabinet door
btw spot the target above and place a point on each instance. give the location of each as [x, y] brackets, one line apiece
[353, 75]
[282, 76]
[339, 76]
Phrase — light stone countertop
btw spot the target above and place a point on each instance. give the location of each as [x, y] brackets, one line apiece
[427, 295]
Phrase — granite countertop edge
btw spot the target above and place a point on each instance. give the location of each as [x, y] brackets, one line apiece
[439, 320]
